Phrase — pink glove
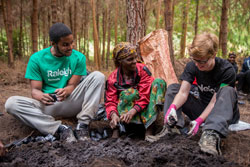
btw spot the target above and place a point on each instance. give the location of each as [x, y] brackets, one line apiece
[171, 114]
[195, 126]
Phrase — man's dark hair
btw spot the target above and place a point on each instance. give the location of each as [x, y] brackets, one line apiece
[231, 54]
[57, 31]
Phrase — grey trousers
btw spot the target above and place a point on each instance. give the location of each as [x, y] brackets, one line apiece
[224, 113]
[83, 103]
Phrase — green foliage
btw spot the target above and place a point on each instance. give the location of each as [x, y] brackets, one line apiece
[4, 46]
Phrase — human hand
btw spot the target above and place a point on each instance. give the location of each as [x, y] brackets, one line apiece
[2, 149]
[114, 120]
[46, 99]
[195, 126]
[61, 94]
[171, 116]
[128, 116]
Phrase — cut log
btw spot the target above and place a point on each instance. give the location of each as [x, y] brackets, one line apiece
[155, 53]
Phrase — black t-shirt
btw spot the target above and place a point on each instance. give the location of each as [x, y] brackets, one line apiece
[209, 82]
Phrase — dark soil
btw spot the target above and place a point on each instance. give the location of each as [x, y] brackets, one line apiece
[172, 150]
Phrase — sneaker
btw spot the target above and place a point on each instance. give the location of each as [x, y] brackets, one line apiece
[210, 142]
[82, 132]
[240, 93]
[66, 134]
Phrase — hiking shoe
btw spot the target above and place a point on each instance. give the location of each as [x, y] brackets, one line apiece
[210, 142]
[82, 132]
[66, 134]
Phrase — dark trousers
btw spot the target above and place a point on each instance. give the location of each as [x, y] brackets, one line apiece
[243, 81]
[224, 113]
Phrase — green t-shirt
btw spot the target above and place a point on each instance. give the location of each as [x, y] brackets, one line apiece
[53, 71]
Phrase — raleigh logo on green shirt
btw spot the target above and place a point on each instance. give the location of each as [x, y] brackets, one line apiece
[65, 72]
[52, 74]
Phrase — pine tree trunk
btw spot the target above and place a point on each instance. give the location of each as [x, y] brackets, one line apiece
[63, 13]
[116, 19]
[7, 17]
[158, 14]
[184, 27]
[223, 27]
[169, 27]
[34, 25]
[135, 20]
[75, 23]
[49, 20]
[95, 36]
[104, 25]
[44, 25]
[54, 11]
[109, 36]
[196, 18]
[71, 16]
[20, 45]
[86, 29]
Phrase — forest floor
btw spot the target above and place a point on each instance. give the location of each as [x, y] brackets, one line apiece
[171, 150]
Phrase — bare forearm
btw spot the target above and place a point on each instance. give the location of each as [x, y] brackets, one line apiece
[36, 94]
[179, 99]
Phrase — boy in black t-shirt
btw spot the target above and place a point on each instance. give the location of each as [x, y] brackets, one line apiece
[216, 106]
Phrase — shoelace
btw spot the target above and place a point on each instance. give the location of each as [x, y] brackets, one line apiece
[214, 139]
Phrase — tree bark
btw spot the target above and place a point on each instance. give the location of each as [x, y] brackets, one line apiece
[7, 16]
[135, 20]
[184, 27]
[95, 36]
[75, 23]
[169, 27]
[86, 29]
[158, 14]
[104, 25]
[71, 17]
[196, 18]
[44, 25]
[109, 36]
[116, 19]
[223, 27]
[20, 46]
[34, 25]
[54, 11]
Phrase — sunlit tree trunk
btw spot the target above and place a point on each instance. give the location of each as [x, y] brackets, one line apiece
[71, 21]
[54, 13]
[184, 27]
[147, 6]
[44, 27]
[20, 49]
[109, 36]
[223, 27]
[95, 36]
[63, 13]
[7, 17]
[104, 25]
[49, 17]
[116, 19]
[86, 29]
[158, 14]
[135, 20]
[196, 18]
[75, 22]
[34, 25]
[169, 27]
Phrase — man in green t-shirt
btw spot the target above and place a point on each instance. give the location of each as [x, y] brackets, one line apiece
[55, 74]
